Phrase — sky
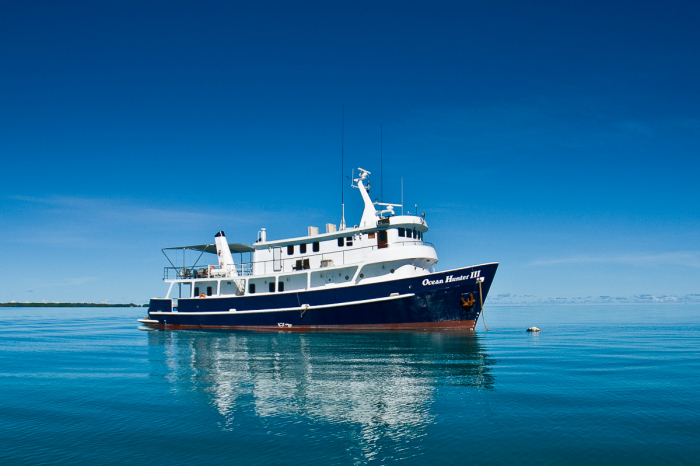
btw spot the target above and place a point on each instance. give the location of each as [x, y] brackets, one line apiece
[560, 139]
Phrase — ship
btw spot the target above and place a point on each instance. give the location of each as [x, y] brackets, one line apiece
[377, 275]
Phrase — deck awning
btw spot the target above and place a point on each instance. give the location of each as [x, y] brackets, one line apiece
[211, 248]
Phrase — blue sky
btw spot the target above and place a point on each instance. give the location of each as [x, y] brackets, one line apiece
[561, 140]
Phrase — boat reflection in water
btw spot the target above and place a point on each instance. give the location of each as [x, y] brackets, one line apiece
[371, 386]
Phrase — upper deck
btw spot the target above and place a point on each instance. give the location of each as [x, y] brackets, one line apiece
[379, 248]
[349, 246]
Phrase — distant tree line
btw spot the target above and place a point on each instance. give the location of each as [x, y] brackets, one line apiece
[70, 305]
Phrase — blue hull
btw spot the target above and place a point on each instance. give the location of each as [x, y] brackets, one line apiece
[449, 299]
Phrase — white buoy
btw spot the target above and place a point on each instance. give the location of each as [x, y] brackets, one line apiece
[533, 329]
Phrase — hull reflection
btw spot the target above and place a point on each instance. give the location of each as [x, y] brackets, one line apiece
[379, 385]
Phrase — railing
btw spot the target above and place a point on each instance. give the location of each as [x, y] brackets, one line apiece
[411, 243]
[245, 269]
[205, 271]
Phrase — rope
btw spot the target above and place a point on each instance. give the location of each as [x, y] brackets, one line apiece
[481, 299]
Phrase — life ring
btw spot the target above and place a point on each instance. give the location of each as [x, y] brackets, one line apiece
[202, 295]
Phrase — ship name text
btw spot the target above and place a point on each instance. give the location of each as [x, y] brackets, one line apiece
[452, 278]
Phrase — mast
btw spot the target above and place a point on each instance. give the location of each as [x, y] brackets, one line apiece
[342, 162]
[381, 158]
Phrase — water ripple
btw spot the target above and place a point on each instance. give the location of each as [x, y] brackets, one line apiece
[85, 386]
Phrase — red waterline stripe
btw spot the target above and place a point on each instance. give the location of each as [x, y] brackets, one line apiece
[447, 325]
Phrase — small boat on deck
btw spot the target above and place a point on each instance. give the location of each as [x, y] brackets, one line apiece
[379, 274]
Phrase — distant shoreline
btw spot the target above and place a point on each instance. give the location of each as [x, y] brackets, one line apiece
[70, 305]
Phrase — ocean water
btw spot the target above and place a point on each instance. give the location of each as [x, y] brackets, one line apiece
[601, 384]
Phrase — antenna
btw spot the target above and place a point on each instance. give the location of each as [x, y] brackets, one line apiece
[381, 158]
[342, 165]
[401, 196]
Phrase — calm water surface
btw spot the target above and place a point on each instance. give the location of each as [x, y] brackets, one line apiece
[615, 384]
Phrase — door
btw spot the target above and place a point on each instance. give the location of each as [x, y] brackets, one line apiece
[382, 240]
[277, 259]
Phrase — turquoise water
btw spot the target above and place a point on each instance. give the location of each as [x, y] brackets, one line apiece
[616, 384]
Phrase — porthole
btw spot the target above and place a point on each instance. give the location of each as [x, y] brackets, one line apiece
[362, 275]
[347, 277]
[392, 270]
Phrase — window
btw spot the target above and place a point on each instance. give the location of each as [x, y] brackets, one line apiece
[302, 248]
[402, 232]
[415, 234]
[371, 235]
[290, 250]
[341, 242]
[348, 241]
[409, 233]
[317, 246]
[209, 290]
[196, 291]
[280, 286]
[251, 288]
[420, 236]
[272, 287]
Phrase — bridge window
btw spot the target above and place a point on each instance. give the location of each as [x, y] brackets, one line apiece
[251, 288]
[409, 233]
[341, 242]
[302, 248]
[317, 246]
[402, 232]
[290, 250]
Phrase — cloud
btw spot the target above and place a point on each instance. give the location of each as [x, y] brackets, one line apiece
[90, 222]
[684, 258]
[72, 281]
[116, 210]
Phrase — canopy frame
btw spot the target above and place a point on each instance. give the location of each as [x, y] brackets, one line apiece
[202, 248]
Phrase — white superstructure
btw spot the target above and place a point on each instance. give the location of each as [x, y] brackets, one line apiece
[382, 247]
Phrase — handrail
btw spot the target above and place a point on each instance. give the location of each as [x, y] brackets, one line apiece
[245, 269]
